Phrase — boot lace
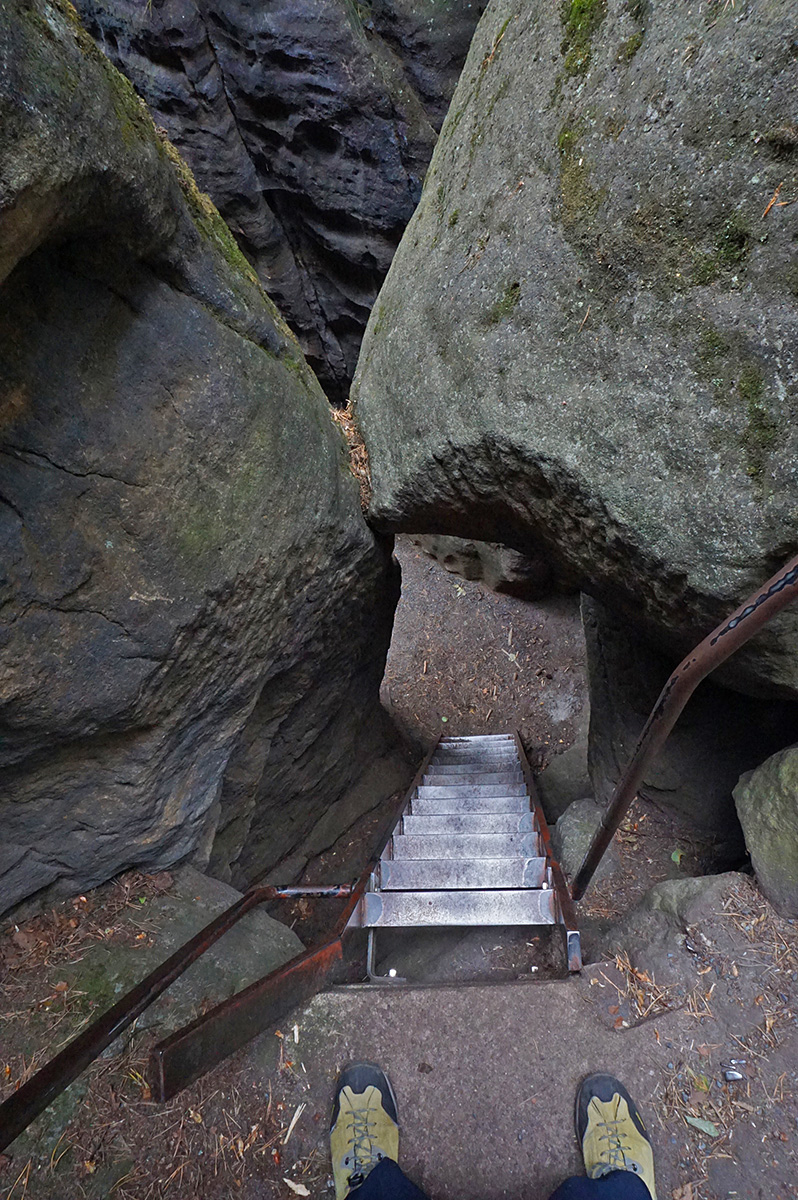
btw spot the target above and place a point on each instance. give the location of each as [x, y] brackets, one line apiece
[364, 1155]
[615, 1155]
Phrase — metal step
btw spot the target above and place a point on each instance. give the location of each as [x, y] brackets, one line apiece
[477, 737]
[477, 779]
[411, 874]
[468, 823]
[528, 906]
[466, 845]
[464, 790]
[422, 806]
[474, 768]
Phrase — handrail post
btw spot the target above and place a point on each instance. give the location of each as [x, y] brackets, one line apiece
[745, 621]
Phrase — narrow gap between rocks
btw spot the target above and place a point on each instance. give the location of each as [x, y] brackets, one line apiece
[464, 660]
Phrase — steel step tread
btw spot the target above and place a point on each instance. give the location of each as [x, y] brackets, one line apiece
[512, 822]
[446, 805]
[439, 874]
[472, 789]
[527, 906]
[465, 845]
[475, 779]
[447, 771]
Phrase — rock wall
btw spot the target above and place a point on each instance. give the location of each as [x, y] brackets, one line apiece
[767, 805]
[719, 735]
[586, 343]
[311, 124]
[501, 569]
[186, 574]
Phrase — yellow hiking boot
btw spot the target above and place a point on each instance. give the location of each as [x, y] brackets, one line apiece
[364, 1127]
[611, 1131]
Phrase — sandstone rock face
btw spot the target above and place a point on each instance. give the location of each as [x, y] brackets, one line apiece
[587, 340]
[182, 545]
[671, 913]
[767, 805]
[719, 735]
[572, 835]
[501, 569]
[310, 123]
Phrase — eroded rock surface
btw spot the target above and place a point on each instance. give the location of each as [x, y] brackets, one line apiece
[587, 339]
[311, 125]
[186, 574]
[767, 805]
[501, 569]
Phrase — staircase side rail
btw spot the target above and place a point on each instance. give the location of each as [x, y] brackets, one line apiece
[24, 1105]
[176, 1062]
[573, 948]
[732, 633]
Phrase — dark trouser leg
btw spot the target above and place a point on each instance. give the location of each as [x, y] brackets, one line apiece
[618, 1185]
[387, 1182]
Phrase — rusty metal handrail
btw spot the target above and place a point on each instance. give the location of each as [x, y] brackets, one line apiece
[193, 1050]
[730, 635]
[24, 1105]
[189, 1052]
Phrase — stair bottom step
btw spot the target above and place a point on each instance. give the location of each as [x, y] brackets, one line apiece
[510, 907]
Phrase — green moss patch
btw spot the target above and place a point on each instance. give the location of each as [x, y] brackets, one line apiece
[506, 303]
[206, 216]
[736, 380]
[630, 47]
[580, 199]
[581, 19]
[732, 241]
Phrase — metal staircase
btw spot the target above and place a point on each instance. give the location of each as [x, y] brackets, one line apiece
[471, 847]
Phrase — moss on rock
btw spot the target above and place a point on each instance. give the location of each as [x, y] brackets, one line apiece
[581, 19]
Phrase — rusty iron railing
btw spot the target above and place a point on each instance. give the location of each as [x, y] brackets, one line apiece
[779, 591]
[189, 1052]
[573, 947]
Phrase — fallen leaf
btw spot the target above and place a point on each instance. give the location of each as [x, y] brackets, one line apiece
[683, 1193]
[677, 856]
[89, 1165]
[195, 1116]
[299, 1188]
[61, 986]
[613, 1009]
[703, 1126]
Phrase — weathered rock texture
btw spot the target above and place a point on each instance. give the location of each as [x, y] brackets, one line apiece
[767, 805]
[186, 574]
[572, 835]
[501, 569]
[587, 340]
[719, 735]
[310, 123]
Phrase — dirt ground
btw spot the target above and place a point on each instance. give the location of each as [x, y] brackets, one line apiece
[465, 660]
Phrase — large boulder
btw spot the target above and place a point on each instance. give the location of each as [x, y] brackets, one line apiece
[719, 735]
[588, 339]
[767, 805]
[498, 567]
[310, 123]
[186, 574]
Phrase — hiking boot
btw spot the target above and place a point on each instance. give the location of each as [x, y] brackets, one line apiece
[364, 1128]
[611, 1131]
